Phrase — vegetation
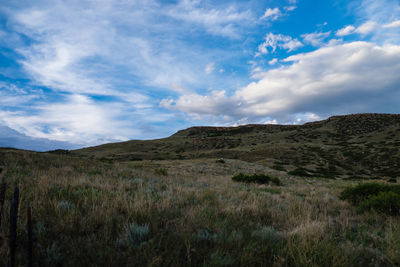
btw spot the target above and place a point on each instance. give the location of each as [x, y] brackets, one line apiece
[174, 202]
[161, 171]
[364, 145]
[89, 212]
[256, 178]
[300, 172]
[386, 202]
[382, 198]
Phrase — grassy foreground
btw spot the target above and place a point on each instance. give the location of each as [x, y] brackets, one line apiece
[188, 213]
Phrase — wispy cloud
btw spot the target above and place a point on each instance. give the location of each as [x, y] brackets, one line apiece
[272, 14]
[109, 62]
[224, 21]
[315, 38]
[347, 30]
[394, 24]
[281, 41]
[210, 67]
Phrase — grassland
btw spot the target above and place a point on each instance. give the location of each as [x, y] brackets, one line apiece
[173, 202]
[360, 145]
[189, 212]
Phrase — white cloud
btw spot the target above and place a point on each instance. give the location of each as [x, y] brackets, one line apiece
[366, 27]
[272, 14]
[352, 77]
[126, 52]
[275, 41]
[290, 8]
[383, 13]
[347, 30]
[301, 118]
[210, 67]
[363, 29]
[79, 119]
[315, 38]
[79, 47]
[271, 122]
[273, 61]
[394, 24]
[13, 96]
[199, 104]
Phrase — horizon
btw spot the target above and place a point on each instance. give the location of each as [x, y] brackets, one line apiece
[77, 74]
[44, 145]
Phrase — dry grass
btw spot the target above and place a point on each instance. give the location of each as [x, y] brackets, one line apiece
[196, 216]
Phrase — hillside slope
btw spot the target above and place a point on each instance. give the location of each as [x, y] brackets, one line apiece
[351, 145]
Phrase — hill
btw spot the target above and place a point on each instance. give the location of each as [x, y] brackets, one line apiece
[105, 206]
[341, 146]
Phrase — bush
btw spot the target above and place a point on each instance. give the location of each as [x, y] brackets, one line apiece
[385, 202]
[361, 192]
[374, 196]
[256, 178]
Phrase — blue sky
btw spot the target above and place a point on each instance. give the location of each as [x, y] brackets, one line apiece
[89, 72]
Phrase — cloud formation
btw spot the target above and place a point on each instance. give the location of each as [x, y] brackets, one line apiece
[91, 73]
[104, 64]
[281, 41]
[331, 79]
[315, 38]
[272, 14]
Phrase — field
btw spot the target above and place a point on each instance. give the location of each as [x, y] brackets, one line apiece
[188, 212]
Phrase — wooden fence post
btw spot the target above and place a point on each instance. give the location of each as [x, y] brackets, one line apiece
[3, 187]
[13, 227]
[30, 241]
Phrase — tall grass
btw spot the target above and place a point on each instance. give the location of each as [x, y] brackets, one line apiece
[89, 213]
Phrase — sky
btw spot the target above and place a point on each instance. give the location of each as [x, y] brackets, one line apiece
[89, 72]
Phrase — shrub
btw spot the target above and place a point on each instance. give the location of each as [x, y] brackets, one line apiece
[256, 178]
[374, 196]
[136, 234]
[385, 202]
[364, 191]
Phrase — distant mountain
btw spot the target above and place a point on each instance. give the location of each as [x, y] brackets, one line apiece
[13, 139]
[350, 145]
